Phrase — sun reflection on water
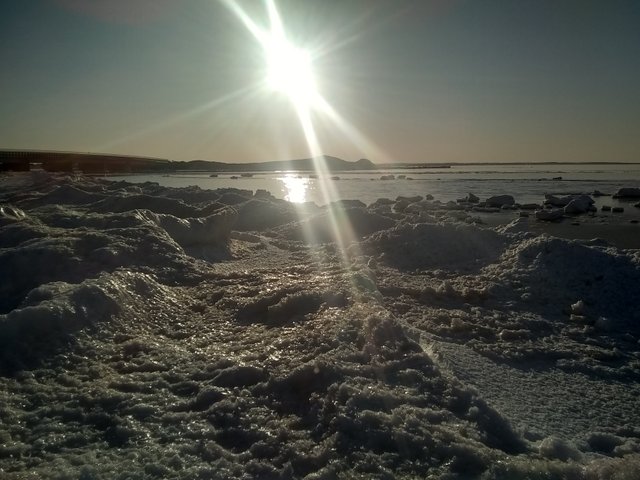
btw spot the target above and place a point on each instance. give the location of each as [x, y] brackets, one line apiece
[295, 188]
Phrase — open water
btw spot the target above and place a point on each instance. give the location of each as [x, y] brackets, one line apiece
[528, 183]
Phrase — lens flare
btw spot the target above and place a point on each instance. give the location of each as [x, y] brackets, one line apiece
[289, 71]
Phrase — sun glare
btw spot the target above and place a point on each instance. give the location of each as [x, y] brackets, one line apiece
[295, 188]
[289, 70]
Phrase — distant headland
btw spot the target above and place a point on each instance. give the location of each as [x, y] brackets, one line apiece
[103, 163]
[94, 163]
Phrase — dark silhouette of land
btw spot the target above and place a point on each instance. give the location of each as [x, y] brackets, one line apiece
[99, 164]
[93, 163]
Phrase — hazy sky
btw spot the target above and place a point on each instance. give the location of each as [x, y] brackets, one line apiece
[434, 81]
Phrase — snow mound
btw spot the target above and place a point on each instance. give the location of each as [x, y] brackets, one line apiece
[75, 254]
[336, 224]
[168, 206]
[558, 273]
[65, 195]
[57, 309]
[213, 230]
[449, 246]
[259, 215]
[10, 214]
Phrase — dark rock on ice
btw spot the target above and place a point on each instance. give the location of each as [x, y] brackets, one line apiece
[500, 200]
[627, 192]
[347, 204]
[556, 201]
[549, 215]
[579, 204]
[413, 199]
[382, 202]
[530, 206]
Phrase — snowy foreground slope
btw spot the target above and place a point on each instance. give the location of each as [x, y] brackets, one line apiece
[151, 332]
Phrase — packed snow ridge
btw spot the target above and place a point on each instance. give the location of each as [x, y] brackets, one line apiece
[154, 332]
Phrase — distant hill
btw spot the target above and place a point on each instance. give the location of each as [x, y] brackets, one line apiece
[304, 164]
[21, 160]
[95, 163]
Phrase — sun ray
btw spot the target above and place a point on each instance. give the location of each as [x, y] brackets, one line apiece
[180, 117]
[289, 72]
[364, 144]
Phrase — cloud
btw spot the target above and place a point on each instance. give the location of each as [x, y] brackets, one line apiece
[128, 12]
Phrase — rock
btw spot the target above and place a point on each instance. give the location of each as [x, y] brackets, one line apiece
[347, 204]
[617, 209]
[387, 177]
[556, 201]
[637, 205]
[598, 193]
[263, 194]
[381, 202]
[556, 178]
[606, 208]
[550, 215]
[530, 206]
[400, 206]
[627, 192]
[414, 199]
[486, 209]
[579, 204]
[428, 196]
[516, 226]
[452, 206]
[500, 200]
[471, 198]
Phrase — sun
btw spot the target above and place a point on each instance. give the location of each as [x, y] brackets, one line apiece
[289, 70]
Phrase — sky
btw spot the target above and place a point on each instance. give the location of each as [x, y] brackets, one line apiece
[413, 81]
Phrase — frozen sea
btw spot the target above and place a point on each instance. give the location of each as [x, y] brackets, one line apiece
[528, 183]
[148, 331]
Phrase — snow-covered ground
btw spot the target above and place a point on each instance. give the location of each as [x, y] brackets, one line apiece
[156, 332]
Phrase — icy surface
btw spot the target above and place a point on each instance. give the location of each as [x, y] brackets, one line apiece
[155, 332]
